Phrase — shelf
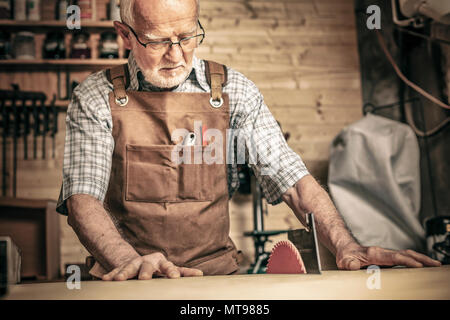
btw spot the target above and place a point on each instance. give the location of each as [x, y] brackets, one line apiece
[56, 63]
[50, 24]
[59, 104]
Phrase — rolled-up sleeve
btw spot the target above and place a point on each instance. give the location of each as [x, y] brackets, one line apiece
[276, 166]
[88, 144]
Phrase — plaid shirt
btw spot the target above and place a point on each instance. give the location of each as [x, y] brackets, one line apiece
[89, 142]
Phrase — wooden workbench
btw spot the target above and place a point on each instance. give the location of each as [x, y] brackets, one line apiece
[396, 283]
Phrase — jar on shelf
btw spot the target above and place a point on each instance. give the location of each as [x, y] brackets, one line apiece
[5, 45]
[34, 10]
[20, 10]
[80, 46]
[114, 10]
[54, 47]
[24, 46]
[61, 10]
[5, 9]
[108, 46]
[88, 9]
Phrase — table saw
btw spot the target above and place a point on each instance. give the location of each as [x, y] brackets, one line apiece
[394, 283]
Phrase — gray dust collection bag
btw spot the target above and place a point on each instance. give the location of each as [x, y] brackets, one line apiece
[374, 180]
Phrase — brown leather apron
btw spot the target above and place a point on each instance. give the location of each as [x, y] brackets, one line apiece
[180, 210]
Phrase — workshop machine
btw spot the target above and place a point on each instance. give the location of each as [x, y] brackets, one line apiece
[302, 246]
[438, 238]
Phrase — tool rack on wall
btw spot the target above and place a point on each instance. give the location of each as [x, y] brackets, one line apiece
[36, 92]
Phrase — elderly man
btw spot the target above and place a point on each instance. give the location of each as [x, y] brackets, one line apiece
[137, 211]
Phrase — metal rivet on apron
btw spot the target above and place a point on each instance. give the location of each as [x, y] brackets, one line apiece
[216, 103]
[122, 102]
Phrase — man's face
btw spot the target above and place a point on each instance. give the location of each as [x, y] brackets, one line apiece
[163, 20]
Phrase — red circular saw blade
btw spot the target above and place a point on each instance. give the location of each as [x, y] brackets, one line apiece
[285, 259]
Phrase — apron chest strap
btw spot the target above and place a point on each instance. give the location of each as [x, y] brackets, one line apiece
[216, 76]
[120, 78]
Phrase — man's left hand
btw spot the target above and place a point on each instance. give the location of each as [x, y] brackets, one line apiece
[354, 257]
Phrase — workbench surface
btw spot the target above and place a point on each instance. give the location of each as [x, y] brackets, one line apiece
[396, 283]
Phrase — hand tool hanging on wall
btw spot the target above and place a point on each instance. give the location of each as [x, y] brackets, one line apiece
[18, 118]
[26, 129]
[15, 134]
[67, 85]
[54, 128]
[5, 128]
[58, 85]
[35, 127]
[73, 85]
[45, 126]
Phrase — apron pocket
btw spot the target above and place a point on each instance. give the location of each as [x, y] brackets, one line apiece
[196, 180]
[151, 175]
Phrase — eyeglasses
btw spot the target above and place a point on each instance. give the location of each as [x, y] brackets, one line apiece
[187, 43]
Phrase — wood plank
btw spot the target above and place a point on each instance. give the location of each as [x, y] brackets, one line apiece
[243, 24]
[336, 80]
[396, 283]
[297, 119]
[23, 203]
[313, 97]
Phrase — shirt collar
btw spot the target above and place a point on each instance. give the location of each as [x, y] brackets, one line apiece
[137, 81]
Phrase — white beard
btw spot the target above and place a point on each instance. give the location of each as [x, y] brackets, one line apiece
[155, 79]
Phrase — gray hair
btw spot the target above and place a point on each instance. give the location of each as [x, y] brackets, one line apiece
[127, 11]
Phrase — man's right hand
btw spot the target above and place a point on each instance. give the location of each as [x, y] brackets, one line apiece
[146, 266]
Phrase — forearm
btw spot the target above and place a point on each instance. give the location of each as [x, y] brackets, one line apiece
[308, 196]
[97, 232]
